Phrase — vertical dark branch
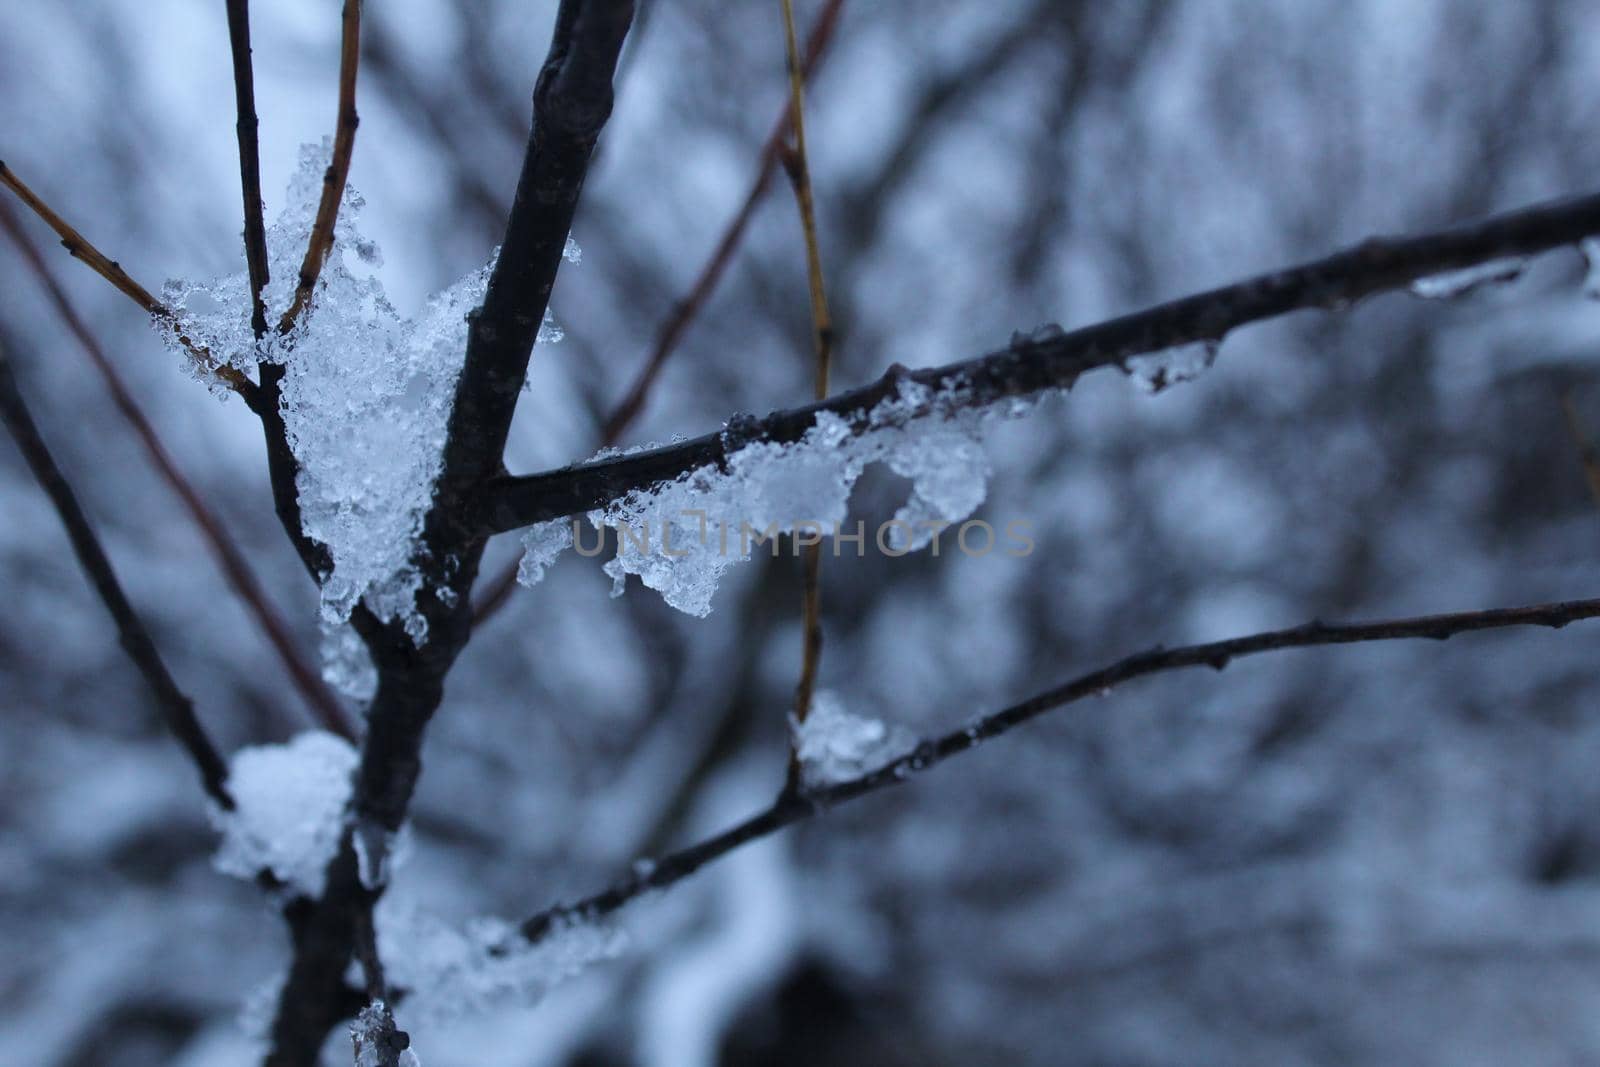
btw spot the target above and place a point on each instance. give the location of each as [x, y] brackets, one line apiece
[135, 638]
[244, 92]
[671, 331]
[571, 103]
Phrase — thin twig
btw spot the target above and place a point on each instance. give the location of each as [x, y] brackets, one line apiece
[338, 172]
[672, 330]
[798, 165]
[244, 92]
[109, 269]
[324, 705]
[792, 807]
[1055, 360]
[176, 708]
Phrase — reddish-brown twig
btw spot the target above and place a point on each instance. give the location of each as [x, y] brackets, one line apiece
[324, 705]
[672, 330]
[798, 165]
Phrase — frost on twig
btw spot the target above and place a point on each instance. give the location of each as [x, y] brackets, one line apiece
[288, 815]
[366, 397]
[681, 536]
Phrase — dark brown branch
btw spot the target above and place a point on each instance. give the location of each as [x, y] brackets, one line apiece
[1056, 361]
[338, 172]
[235, 568]
[244, 93]
[796, 806]
[572, 101]
[672, 330]
[134, 636]
[498, 590]
[79, 247]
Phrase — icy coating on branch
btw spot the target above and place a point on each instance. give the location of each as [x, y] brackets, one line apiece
[680, 537]
[834, 745]
[289, 809]
[451, 970]
[366, 396]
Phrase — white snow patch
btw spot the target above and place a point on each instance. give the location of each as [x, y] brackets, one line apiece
[366, 395]
[289, 809]
[834, 745]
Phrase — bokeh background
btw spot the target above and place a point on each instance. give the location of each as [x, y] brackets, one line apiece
[1383, 854]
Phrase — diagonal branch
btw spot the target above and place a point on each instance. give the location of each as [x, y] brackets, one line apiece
[244, 92]
[235, 568]
[793, 807]
[176, 708]
[338, 172]
[1056, 360]
[109, 269]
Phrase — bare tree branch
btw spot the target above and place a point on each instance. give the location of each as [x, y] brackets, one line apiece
[244, 91]
[109, 269]
[325, 707]
[176, 708]
[571, 103]
[338, 172]
[1033, 365]
[796, 806]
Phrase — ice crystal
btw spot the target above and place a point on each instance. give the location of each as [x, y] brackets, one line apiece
[365, 396]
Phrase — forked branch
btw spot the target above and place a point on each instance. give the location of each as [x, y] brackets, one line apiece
[109, 269]
[1056, 360]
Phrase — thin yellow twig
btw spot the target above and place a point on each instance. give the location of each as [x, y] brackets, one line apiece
[338, 172]
[109, 269]
[797, 164]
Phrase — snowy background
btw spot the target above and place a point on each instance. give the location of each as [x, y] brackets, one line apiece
[1384, 854]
